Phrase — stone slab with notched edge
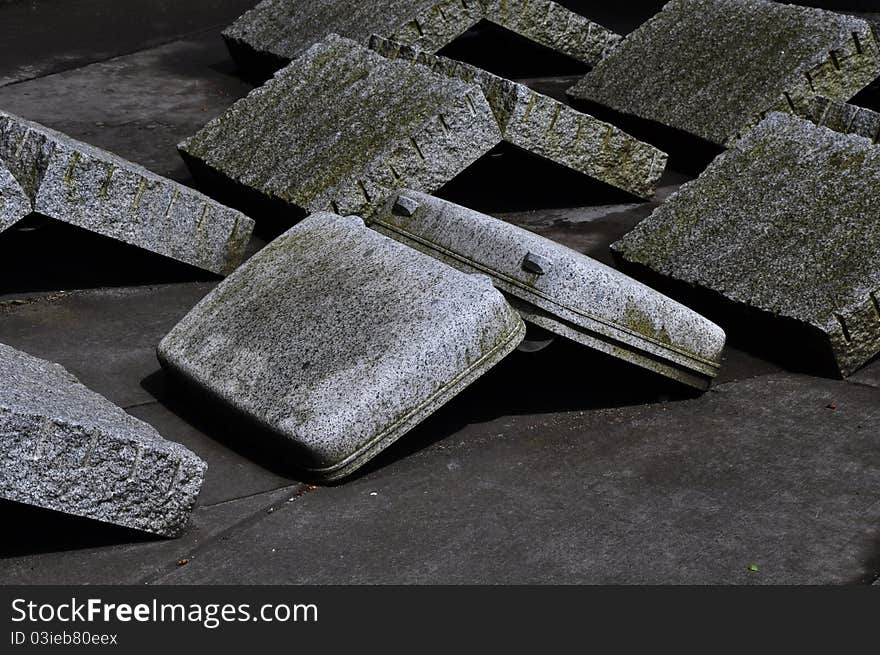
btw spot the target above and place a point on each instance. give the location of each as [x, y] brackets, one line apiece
[783, 223]
[339, 340]
[714, 68]
[73, 182]
[561, 290]
[66, 448]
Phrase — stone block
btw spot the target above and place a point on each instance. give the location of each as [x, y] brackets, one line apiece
[76, 183]
[846, 118]
[783, 223]
[339, 340]
[713, 68]
[560, 289]
[341, 127]
[14, 203]
[66, 448]
[548, 128]
[277, 31]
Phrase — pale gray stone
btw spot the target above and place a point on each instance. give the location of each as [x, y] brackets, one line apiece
[846, 118]
[560, 289]
[784, 222]
[14, 203]
[715, 67]
[341, 127]
[76, 183]
[277, 31]
[549, 128]
[340, 340]
[66, 448]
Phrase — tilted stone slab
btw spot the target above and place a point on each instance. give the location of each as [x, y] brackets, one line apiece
[342, 126]
[76, 183]
[846, 118]
[14, 203]
[340, 340]
[278, 31]
[64, 447]
[546, 127]
[715, 67]
[784, 222]
[559, 289]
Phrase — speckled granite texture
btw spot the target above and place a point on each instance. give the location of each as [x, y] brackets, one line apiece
[14, 203]
[846, 118]
[784, 222]
[715, 67]
[549, 128]
[281, 30]
[64, 447]
[342, 126]
[340, 340]
[559, 289]
[76, 183]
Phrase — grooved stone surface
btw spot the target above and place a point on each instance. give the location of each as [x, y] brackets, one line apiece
[687, 68]
[14, 203]
[559, 289]
[340, 340]
[785, 222]
[283, 29]
[342, 126]
[79, 184]
[846, 118]
[64, 447]
[549, 128]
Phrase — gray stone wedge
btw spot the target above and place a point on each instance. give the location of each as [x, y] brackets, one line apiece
[281, 30]
[687, 68]
[560, 289]
[339, 340]
[548, 128]
[14, 203]
[73, 182]
[784, 222]
[64, 447]
[341, 127]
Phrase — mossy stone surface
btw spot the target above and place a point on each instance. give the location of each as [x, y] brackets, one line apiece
[14, 203]
[548, 128]
[73, 182]
[64, 447]
[784, 222]
[342, 126]
[284, 29]
[714, 67]
[339, 340]
[846, 118]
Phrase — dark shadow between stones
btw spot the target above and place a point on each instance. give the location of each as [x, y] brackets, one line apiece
[31, 530]
[791, 344]
[42, 254]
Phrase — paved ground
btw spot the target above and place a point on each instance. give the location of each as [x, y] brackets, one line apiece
[558, 466]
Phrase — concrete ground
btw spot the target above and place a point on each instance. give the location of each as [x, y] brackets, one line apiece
[561, 466]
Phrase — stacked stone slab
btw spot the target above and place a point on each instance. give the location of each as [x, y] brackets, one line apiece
[713, 68]
[14, 203]
[341, 127]
[64, 447]
[846, 118]
[559, 289]
[277, 31]
[784, 222]
[549, 128]
[76, 183]
[340, 340]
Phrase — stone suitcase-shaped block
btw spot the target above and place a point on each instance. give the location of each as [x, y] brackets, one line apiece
[66, 448]
[340, 340]
[713, 68]
[342, 126]
[76, 183]
[784, 222]
[559, 289]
